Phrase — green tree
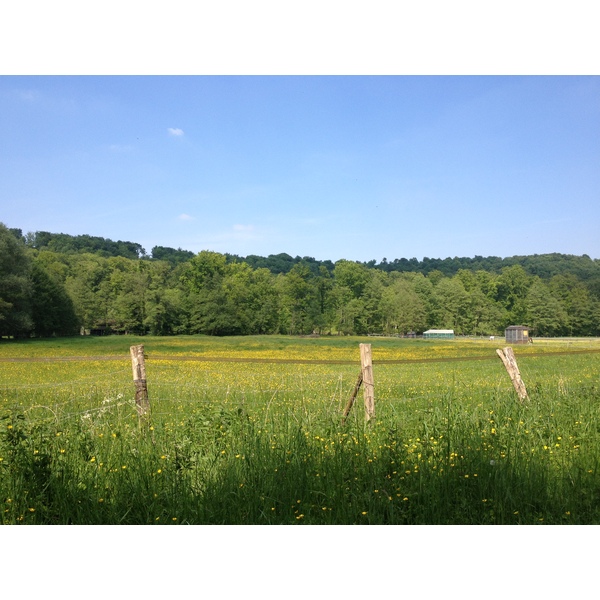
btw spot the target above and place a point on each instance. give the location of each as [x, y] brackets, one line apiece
[205, 271]
[371, 320]
[544, 312]
[324, 284]
[487, 283]
[350, 297]
[425, 290]
[451, 302]
[483, 316]
[82, 284]
[171, 255]
[230, 298]
[15, 286]
[211, 311]
[165, 312]
[512, 287]
[52, 309]
[351, 275]
[402, 308]
[165, 307]
[577, 302]
[300, 300]
[348, 311]
[435, 276]
[129, 310]
[265, 302]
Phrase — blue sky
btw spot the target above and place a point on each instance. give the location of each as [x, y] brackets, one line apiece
[356, 167]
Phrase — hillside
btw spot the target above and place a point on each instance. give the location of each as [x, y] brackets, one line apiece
[544, 266]
[55, 284]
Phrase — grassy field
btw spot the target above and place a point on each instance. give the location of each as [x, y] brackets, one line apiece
[238, 437]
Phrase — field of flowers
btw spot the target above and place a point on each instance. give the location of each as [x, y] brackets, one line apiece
[231, 441]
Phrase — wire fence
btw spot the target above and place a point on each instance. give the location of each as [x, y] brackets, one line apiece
[84, 397]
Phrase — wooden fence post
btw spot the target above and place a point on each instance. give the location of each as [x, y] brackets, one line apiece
[367, 376]
[139, 378]
[510, 362]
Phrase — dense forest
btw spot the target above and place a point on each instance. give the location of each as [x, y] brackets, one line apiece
[58, 284]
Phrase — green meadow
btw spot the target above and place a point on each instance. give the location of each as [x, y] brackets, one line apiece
[248, 430]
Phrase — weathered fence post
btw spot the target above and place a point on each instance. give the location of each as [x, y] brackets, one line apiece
[510, 362]
[367, 377]
[139, 378]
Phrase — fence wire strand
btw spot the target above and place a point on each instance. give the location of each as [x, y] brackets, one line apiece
[333, 388]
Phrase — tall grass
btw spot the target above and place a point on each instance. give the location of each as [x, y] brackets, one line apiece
[264, 444]
[493, 462]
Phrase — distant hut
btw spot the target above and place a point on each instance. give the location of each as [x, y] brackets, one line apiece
[518, 334]
[446, 334]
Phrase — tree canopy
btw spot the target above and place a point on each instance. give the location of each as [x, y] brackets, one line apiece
[54, 284]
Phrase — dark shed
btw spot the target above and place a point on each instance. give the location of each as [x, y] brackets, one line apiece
[517, 334]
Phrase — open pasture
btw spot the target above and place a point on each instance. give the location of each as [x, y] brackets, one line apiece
[235, 441]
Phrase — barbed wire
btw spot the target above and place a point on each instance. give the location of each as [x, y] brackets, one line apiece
[335, 389]
[88, 411]
[229, 389]
[335, 399]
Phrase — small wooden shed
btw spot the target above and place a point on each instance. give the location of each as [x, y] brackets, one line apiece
[518, 334]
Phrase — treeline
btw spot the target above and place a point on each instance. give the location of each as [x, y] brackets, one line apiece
[544, 266]
[46, 292]
[79, 244]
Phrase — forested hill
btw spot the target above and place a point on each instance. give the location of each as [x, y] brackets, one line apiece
[79, 244]
[544, 266]
[55, 284]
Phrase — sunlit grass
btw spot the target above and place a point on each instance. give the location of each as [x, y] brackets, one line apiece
[279, 347]
[243, 442]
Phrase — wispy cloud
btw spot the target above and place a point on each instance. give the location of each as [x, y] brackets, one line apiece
[175, 132]
[28, 95]
[243, 227]
[185, 217]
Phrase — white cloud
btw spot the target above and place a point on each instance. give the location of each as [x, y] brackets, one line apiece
[29, 96]
[243, 227]
[174, 131]
[184, 217]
